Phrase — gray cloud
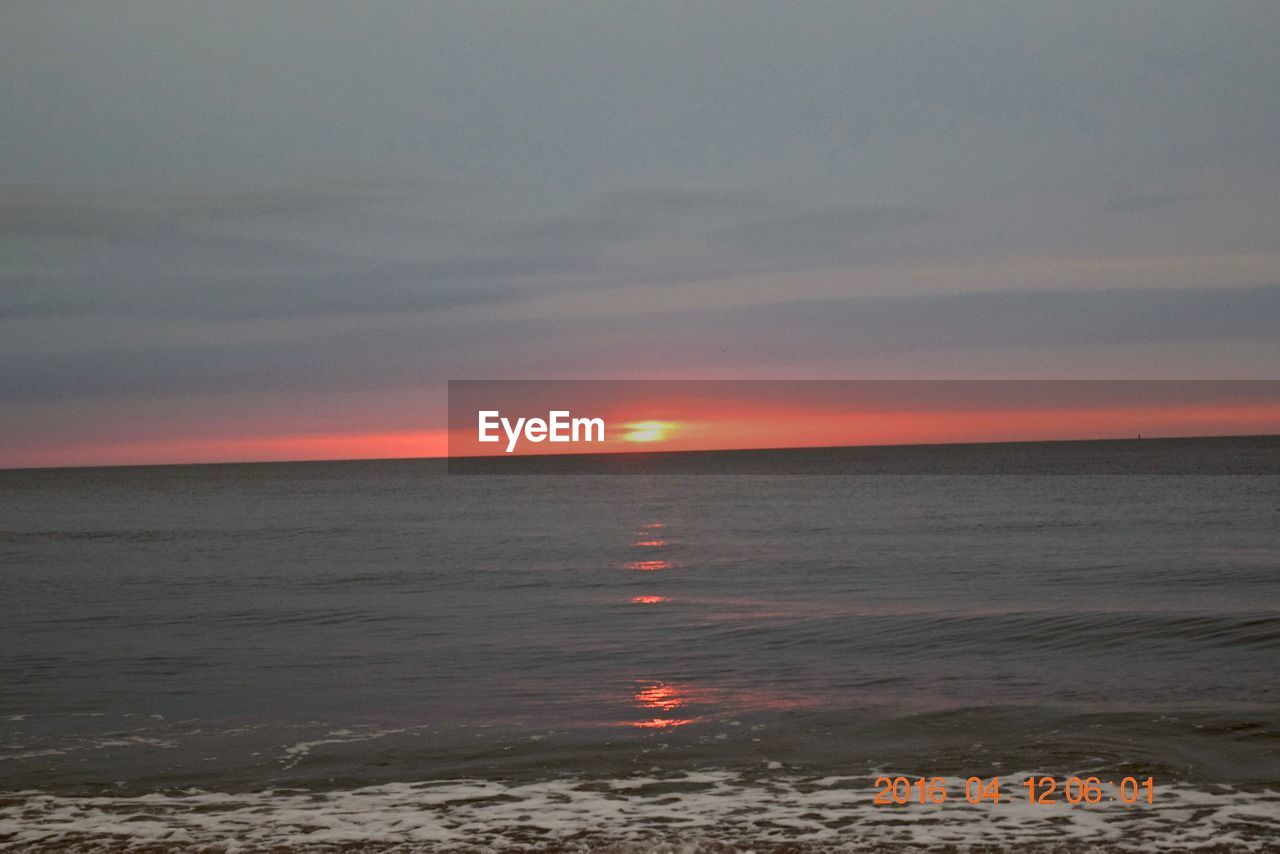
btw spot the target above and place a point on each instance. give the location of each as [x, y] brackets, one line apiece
[674, 201]
[439, 348]
[636, 214]
[213, 256]
[826, 232]
[41, 210]
[208, 255]
[409, 288]
[97, 230]
[821, 95]
[1022, 318]
[1145, 201]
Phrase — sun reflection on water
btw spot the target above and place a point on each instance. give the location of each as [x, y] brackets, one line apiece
[663, 723]
[656, 700]
[662, 697]
[648, 565]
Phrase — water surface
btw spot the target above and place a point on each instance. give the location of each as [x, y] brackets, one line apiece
[381, 627]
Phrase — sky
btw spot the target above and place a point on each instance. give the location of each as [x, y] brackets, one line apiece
[240, 230]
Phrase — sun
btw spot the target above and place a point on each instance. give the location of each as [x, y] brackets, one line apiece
[647, 431]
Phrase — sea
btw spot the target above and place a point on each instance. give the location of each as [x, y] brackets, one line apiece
[382, 656]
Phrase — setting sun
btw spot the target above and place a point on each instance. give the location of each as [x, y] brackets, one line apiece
[648, 431]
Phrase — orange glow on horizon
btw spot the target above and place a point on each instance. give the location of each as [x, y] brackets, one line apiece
[271, 448]
[691, 425]
[648, 600]
[647, 431]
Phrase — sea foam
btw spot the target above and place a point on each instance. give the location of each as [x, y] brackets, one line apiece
[702, 811]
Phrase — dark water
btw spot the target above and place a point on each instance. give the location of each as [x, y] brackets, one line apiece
[377, 654]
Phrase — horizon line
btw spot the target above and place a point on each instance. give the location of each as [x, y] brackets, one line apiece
[639, 453]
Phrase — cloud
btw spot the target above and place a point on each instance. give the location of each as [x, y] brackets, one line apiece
[97, 229]
[40, 210]
[240, 255]
[432, 348]
[635, 214]
[236, 255]
[423, 286]
[1032, 318]
[829, 232]
[673, 201]
[1131, 202]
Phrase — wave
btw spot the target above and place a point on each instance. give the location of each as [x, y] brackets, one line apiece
[691, 812]
[1080, 632]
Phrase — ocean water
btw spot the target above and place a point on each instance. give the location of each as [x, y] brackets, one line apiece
[380, 656]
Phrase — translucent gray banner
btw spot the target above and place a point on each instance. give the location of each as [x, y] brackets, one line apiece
[886, 427]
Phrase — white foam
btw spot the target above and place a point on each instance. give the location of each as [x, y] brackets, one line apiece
[669, 813]
[96, 744]
[295, 753]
